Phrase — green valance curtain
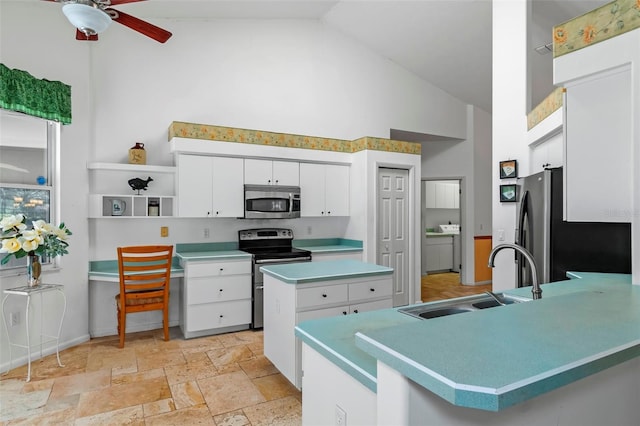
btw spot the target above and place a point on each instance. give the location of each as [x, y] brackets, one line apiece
[20, 91]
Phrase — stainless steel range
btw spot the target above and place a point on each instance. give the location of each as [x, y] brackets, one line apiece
[268, 246]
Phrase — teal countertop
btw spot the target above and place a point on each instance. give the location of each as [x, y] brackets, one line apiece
[307, 272]
[328, 245]
[493, 358]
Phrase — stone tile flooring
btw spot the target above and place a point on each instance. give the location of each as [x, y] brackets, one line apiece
[215, 380]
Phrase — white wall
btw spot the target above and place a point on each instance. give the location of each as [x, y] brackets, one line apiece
[285, 76]
[35, 40]
[509, 120]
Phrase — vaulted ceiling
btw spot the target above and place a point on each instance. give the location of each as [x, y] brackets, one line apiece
[446, 42]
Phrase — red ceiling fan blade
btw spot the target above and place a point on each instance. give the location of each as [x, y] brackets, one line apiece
[82, 36]
[140, 26]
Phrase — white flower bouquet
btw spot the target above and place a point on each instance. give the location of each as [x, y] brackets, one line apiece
[43, 239]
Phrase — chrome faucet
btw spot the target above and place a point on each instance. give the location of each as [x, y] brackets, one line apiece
[536, 290]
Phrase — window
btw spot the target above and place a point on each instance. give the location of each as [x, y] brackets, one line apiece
[27, 169]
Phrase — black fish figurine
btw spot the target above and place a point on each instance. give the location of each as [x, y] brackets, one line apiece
[138, 184]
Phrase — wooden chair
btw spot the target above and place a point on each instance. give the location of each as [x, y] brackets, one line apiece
[145, 272]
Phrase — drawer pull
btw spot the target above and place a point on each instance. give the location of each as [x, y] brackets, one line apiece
[221, 316]
[220, 290]
[324, 295]
[355, 311]
[344, 312]
[372, 289]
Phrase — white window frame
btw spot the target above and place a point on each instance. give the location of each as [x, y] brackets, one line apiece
[53, 180]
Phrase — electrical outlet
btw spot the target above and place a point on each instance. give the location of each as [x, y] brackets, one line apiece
[341, 417]
[14, 318]
[206, 232]
[164, 231]
[500, 234]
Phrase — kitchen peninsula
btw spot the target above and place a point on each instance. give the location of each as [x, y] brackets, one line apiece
[522, 363]
[301, 291]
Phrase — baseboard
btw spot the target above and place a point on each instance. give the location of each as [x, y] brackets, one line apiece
[48, 349]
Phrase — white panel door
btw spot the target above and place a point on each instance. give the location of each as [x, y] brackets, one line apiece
[393, 240]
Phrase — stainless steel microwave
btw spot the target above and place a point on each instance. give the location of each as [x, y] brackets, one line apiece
[271, 202]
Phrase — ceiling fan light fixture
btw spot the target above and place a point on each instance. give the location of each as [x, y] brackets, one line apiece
[90, 20]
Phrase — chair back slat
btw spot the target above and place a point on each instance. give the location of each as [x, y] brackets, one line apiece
[142, 268]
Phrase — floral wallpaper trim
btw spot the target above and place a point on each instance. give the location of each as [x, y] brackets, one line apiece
[544, 109]
[286, 140]
[605, 22]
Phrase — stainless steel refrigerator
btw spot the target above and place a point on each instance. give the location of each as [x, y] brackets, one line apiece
[560, 246]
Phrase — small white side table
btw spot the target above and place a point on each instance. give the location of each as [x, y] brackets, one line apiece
[27, 292]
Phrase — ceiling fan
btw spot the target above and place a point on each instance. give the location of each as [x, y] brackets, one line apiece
[91, 17]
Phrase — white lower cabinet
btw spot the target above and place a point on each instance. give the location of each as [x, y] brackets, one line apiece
[439, 253]
[216, 297]
[327, 387]
[286, 305]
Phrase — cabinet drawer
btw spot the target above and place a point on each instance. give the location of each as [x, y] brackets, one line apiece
[326, 295]
[358, 308]
[205, 269]
[216, 315]
[322, 313]
[217, 289]
[370, 290]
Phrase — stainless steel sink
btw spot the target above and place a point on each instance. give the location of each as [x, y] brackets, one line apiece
[458, 306]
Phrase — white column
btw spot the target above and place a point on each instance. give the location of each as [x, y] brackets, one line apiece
[510, 104]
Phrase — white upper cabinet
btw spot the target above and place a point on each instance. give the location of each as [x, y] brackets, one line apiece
[442, 195]
[210, 186]
[324, 190]
[598, 151]
[267, 172]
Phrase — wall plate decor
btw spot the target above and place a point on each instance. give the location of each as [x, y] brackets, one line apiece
[508, 169]
[508, 193]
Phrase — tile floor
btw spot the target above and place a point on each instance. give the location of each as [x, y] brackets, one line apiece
[216, 380]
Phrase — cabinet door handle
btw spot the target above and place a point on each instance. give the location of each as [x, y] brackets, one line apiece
[329, 212]
[344, 312]
[220, 290]
[372, 289]
[221, 316]
[324, 295]
[355, 311]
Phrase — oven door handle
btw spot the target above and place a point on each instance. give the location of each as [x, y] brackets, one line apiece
[297, 259]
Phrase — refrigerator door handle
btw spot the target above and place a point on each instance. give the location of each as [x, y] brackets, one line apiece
[520, 238]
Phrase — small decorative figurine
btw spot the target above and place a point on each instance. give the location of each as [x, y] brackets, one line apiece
[138, 184]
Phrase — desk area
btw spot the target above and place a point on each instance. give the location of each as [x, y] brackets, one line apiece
[28, 292]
